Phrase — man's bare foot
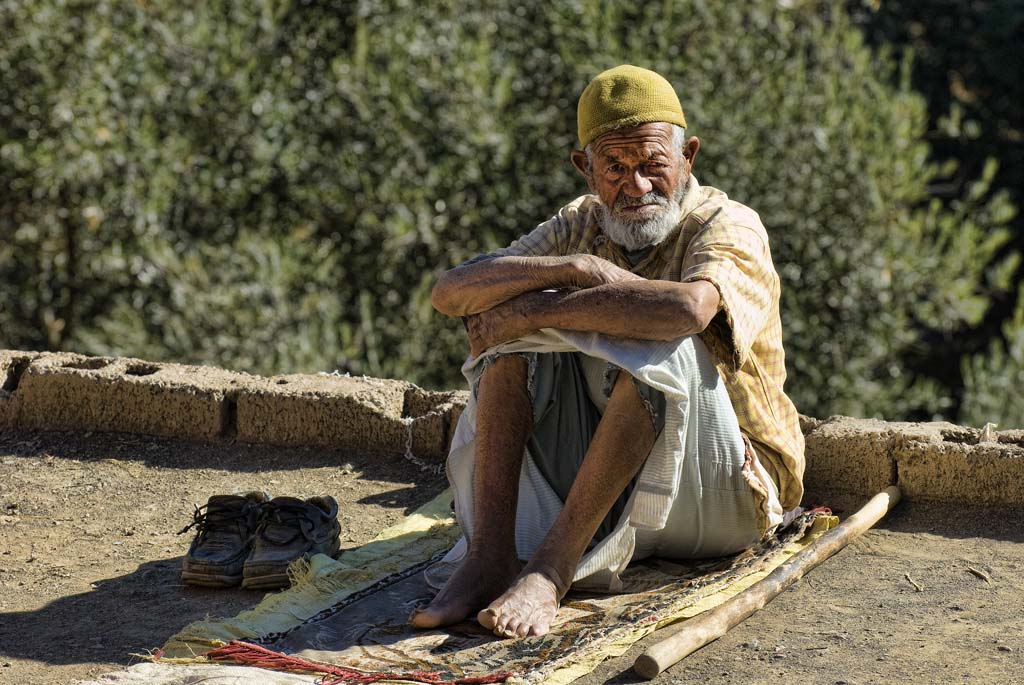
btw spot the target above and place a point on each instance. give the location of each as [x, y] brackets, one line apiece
[526, 608]
[475, 583]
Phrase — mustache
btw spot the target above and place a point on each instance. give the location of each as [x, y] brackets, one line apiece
[653, 197]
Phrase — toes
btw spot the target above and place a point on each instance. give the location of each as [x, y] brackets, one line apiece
[513, 627]
[504, 624]
[539, 629]
[488, 618]
[424, 617]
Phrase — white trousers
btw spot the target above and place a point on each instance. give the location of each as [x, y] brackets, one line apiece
[697, 495]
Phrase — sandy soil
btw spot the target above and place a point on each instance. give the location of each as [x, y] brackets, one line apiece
[89, 565]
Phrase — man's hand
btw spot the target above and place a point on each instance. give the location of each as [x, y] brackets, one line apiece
[476, 288]
[594, 271]
[501, 323]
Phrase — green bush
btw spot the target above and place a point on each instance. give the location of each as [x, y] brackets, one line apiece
[993, 380]
[275, 186]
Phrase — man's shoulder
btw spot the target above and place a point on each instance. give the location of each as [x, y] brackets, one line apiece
[573, 225]
[580, 209]
[716, 209]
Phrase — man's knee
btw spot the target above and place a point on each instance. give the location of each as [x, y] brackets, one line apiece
[624, 391]
[635, 402]
[506, 368]
[503, 399]
[508, 363]
[505, 376]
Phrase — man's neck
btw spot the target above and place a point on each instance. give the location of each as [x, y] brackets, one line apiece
[637, 256]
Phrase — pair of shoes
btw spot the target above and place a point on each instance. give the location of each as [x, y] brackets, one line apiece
[252, 539]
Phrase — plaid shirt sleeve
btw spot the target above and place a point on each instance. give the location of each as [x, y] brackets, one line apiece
[736, 260]
[549, 239]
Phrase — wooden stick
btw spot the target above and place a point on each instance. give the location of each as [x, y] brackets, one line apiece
[714, 623]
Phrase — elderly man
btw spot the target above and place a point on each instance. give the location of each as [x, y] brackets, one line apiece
[627, 373]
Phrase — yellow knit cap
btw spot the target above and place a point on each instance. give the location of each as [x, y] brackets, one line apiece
[623, 97]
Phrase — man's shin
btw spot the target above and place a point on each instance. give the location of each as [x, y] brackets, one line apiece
[624, 438]
[503, 424]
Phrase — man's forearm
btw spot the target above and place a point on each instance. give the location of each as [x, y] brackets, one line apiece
[475, 288]
[645, 310]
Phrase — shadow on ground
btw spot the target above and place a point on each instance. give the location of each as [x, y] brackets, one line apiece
[944, 519]
[961, 522]
[228, 456]
[121, 616]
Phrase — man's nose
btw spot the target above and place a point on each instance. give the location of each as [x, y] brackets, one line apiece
[638, 185]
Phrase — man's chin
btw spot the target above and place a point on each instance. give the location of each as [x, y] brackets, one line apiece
[640, 215]
[637, 233]
[636, 237]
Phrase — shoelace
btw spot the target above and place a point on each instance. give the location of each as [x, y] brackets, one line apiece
[206, 521]
[294, 516]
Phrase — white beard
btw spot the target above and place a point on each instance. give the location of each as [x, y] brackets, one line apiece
[635, 234]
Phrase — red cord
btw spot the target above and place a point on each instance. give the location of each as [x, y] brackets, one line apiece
[247, 654]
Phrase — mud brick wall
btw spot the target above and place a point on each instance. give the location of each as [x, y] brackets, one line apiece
[69, 391]
[61, 391]
[929, 461]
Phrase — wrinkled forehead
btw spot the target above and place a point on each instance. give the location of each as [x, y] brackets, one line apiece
[641, 142]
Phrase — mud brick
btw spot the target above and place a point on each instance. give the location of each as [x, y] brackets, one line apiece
[850, 456]
[333, 411]
[68, 391]
[952, 465]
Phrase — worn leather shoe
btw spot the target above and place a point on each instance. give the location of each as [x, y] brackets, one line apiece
[225, 527]
[290, 529]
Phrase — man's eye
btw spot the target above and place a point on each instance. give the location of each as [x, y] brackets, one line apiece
[615, 168]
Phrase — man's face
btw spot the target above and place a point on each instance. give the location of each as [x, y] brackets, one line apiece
[640, 175]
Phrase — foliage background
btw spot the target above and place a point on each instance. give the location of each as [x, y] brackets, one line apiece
[274, 185]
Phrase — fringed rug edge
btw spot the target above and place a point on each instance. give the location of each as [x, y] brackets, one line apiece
[323, 581]
[621, 644]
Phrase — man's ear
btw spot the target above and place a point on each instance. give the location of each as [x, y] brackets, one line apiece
[690, 149]
[579, 160]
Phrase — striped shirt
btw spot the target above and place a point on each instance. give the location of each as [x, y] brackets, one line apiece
[724, 243]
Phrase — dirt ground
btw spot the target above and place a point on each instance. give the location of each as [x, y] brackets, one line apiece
[89, 565]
